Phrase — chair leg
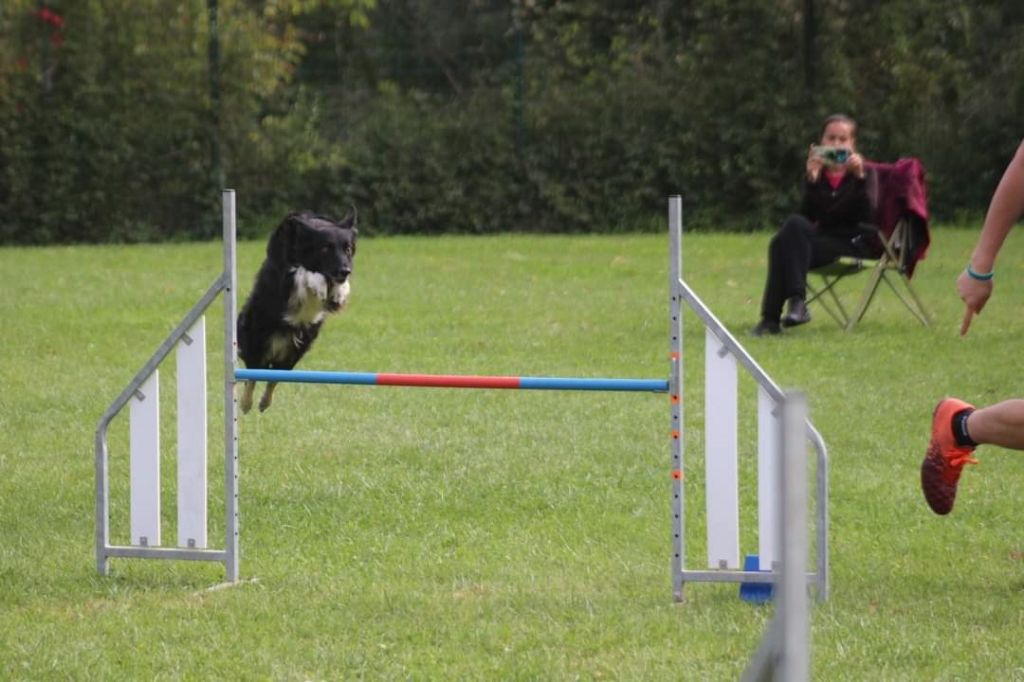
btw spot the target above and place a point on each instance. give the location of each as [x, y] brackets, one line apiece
[839, 314]
[920, 306]
[866, 297]
[844, 317]
[889, 260]
[916, 307]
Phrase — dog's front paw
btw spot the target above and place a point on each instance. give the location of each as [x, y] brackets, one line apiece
[268, 397]
[245, 402]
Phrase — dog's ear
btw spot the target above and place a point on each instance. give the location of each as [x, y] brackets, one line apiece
[281, 242]
[351, 221]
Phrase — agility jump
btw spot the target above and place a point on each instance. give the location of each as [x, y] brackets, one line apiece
[723, 356]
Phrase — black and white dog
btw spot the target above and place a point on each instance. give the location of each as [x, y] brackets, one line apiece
[304, 278]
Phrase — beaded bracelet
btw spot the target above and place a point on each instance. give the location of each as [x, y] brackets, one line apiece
[980, 276]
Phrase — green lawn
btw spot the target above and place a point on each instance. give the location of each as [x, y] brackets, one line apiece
[442, 534]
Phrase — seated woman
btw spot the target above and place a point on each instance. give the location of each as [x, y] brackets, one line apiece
[835, 203]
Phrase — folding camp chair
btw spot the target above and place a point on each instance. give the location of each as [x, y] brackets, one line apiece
[900, 238]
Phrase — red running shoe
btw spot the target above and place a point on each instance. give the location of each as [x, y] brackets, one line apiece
[941, 468]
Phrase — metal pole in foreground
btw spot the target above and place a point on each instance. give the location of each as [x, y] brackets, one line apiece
[784, 652]
[230, 276]
[794, 663]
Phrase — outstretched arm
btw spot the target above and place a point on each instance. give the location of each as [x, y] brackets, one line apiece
[1006, 207]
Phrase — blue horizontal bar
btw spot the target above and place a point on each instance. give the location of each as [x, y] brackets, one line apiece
[584, 384]
[306, 377]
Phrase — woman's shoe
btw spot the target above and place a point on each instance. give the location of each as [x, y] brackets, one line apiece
[798, 313]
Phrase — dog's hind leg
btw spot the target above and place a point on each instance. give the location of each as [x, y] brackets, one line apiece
[246, 401]
[268, 396]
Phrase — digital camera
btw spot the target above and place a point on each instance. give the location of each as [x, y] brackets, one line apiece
[833, 156]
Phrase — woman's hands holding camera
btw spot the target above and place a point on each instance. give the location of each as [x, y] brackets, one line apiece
[819, 157]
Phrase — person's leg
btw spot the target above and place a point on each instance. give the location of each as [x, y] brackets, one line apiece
[789, 255]
[825, 250]
[958, 428]
[1001, 424]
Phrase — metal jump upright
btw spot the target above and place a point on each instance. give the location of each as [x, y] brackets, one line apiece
[142, 394]
[723, 353]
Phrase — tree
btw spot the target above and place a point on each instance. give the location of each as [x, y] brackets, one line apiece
[477, 115]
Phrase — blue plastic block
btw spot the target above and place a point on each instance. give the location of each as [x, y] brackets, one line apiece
[755, 593]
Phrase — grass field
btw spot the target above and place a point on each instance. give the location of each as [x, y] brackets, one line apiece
[411, 534]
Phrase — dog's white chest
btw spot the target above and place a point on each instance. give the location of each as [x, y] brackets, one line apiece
[312, 297]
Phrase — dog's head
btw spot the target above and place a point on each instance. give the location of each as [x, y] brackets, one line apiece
[315, 243]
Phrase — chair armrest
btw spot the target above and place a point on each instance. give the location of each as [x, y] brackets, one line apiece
[844, 265]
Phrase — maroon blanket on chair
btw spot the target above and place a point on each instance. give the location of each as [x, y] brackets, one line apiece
[903, 193]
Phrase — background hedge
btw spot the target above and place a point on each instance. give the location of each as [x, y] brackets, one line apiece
[121, 119]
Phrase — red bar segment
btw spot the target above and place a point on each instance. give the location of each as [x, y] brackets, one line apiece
[446, 381]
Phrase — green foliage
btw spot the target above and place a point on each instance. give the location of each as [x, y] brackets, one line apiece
[417, 171]
[936, 80]
[107, 145]
[596, 142]
[117, 122]
[109, 135]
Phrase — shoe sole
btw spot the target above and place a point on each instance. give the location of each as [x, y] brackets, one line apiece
[937, 493]
[790, 322]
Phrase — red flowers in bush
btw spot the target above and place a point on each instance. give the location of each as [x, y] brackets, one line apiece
[50, 17]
